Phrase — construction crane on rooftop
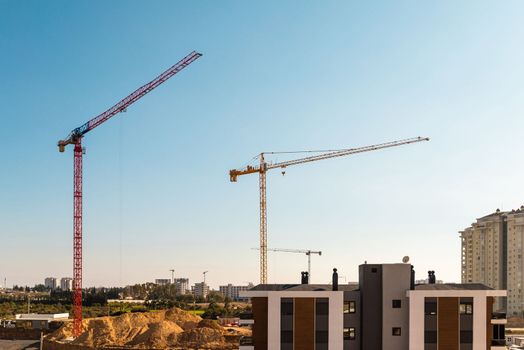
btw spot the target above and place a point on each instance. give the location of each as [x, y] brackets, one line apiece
[264, 166]
[301, 251]
[75, 138]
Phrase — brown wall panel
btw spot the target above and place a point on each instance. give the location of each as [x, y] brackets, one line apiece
[305, 323]
[448, 323]
[260, 327]
[489, 327]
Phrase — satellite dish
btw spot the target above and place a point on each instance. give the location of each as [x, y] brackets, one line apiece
[405, 259]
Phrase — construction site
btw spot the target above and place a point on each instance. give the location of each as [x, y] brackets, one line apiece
[337, 100]
[171, 329]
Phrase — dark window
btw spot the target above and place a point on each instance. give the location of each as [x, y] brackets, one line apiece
[396, 331]
[466, 308]
[286, 306]
[286, 337]
[499, 332]
[430, 308]
[349, 333]
[321, 337]
[396, 304]
[350, 307]
[374, 269]
[430, 337]
[466, 337]
[322, 306]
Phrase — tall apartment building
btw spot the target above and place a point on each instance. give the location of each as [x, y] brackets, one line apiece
[492, 249]
[66, 283]
[50, 282]
[182, 285]
[200, 290]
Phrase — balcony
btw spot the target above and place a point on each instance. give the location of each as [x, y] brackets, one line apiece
[498, 318]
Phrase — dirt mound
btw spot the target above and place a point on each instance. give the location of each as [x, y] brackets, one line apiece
[166, 329]
[209, 324]
[199, 337]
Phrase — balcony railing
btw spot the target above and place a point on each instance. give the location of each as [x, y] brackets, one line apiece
[498, 342]
[498, 316]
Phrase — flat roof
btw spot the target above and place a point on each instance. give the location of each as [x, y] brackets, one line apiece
[303, 287]
[453, 286]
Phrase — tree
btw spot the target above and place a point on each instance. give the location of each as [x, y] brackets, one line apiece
[215, 297]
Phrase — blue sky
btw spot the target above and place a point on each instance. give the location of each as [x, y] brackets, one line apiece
[275, 76]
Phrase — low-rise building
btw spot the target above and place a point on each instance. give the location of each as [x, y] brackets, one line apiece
[40, 321]
[232, 292]
[384, 311]
[162, 281]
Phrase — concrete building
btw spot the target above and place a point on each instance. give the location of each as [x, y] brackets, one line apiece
[232, 292]
[200, 290]
[66, 283]
[182, 285]
[384, 311]
[515, 262]
[492, 250]
[50, 282]
[162, 281]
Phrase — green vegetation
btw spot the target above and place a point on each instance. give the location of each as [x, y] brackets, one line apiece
[95, 301]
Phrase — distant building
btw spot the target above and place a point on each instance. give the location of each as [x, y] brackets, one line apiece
[66, 283]
[182, 285]
[162, 281]
[232, 292]
[384, 311]
[200, 290]
[50, 282]
[492, 250]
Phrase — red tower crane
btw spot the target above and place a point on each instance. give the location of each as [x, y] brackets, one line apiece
[264, 167]
[75, 138]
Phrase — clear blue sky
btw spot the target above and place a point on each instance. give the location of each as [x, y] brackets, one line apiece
[275, 75]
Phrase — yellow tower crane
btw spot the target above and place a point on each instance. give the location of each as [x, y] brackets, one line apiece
[263, 167]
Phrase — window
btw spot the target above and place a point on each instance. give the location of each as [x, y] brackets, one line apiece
[430, 337]
[322, 306]
[374, 269]
[321, 337]
[430, 308]
[349, 333]
[396, 331]
[286, 337]
[286, 307]
[396, 304]
[350, 307]
[466, 337]
[466, 308]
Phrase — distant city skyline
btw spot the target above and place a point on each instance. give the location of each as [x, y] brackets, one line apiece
[274, 76]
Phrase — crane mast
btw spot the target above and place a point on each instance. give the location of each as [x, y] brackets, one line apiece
[75, 138]
[263, 167]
